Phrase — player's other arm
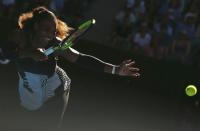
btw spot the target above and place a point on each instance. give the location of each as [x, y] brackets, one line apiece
[126, 68]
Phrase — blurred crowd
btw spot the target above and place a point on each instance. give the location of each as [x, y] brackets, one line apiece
[160, 29]
[70, 11]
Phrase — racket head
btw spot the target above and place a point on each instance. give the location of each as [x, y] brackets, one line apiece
[82, 29]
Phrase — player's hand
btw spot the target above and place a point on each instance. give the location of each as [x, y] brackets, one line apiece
[127, 68]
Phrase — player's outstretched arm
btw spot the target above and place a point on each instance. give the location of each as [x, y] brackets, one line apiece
[126, 68]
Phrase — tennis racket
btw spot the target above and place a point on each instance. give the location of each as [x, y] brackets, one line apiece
[69, 41]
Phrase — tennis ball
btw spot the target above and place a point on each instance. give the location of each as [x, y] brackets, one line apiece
[191, 90]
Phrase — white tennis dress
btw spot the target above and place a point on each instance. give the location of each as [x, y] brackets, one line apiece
[35, 89]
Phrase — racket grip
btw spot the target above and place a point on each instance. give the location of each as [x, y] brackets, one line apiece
[49, 51]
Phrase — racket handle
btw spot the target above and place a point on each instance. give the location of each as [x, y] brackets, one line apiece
[49, 51]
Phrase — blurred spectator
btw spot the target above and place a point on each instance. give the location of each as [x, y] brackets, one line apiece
[130, 3]
[161, 41]
[181, 47]
[8, 2]
[189, 25]
[140, 7]
[8, 7]
[165, 24]
[139, 10]
[124, 22]
[142, 41]
[177, 6]
[174, 10]
[123, 25]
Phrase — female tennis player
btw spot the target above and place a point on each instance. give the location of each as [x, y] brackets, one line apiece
[39, 75]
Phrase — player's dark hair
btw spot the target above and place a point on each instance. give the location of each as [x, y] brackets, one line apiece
[27, 20]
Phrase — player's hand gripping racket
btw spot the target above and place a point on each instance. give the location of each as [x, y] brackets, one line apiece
[69, 41]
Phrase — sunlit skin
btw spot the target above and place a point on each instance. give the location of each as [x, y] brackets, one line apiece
[127, 68]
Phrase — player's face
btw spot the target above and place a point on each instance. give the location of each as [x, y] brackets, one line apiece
[45, 32]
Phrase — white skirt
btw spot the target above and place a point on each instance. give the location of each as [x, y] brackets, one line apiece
[35, 89]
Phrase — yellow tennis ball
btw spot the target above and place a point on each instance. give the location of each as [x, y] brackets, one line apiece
[191, 90]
